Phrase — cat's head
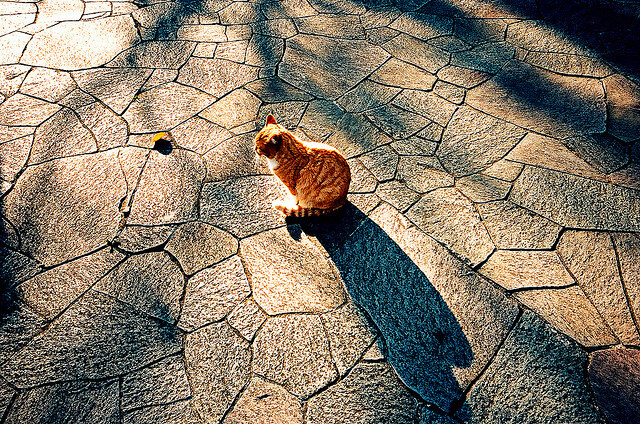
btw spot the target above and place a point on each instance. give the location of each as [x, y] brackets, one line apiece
[269, 138]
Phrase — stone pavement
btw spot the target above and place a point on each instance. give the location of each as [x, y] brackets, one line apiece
[486, 269]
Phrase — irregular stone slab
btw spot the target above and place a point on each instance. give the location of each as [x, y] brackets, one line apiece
[538, 375]
[163, 382]
[459, 312]
[62, 135]
[12, 46]
[243, 206]
[367, 95]
[539, 36]
[265, 402]
[48, 84]
[114, 87]
[569, 64]
[264, 51]
[52, 291]
[168, 189]
[235, 51]
[381, 162]
[350, 335]
[290, 275]
[505, 170]
[371, 392]
[13, 133]
[234, 109]
[72, 403]
[328, 67]
[80, 45]
[213, 293]
[591, 259]
[22, 110]
[397, 194]
[321, 118]
[53, 11]
[397, 73]
[628, 249]
[173, 413]
[14, 156]
[417, 52]
[628, 176]
[282, 27]
[513, 227]
[474, 140]
[234, 158]
[271, 90]
[602, 151]
[332, 25]
[623, 98]
[547, 152]
[354, 135]
[155, 54]
[423, 26]
[150, 282]
[423, 174]
[380, 35]
[488, 57]
[218, 364]
[247, 318]
[362, 181]
[293, 350]
[614, 375]
[428, 105]
[164, 107]
[450, 218]
[136, 238]
[577, 202]
[114, 340]
[199, 135]
[571, 312]
[202, 33]
[109, 129]
[287, 114]
[287, 8]
[6, 396]
[19, 324]
[10, 23]
[542, 101]
[450, 92]
[467, 78]
[216, 76]
[77, 206]
[197, 245]
[526, 269]
[396, 122]
[483, 188]
[160, 76]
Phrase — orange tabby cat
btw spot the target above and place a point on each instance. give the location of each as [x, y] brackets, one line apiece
[316, 174]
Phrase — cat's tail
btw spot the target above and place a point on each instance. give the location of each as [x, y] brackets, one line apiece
[300, 212]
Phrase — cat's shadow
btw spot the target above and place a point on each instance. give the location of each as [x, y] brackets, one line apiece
[423, 339]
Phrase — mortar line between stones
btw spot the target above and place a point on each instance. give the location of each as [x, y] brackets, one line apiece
[458, 403]
[634, 317]
[12, 402]
[156, 404]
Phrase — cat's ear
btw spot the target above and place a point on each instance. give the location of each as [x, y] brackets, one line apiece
[270, 119]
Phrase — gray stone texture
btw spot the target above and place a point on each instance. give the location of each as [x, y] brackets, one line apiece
[615, 379]
[293, 350]
[217, 361]
[370, 393]
[212, 293]
[266, 402]
[343, 64]
[50, 206]
[459, 228]
[542, 101]
[155, 54]
[172, 413]
[96, 338]
[628, 250]
[216, 76]
[290, 275]
[160, 383]
[473, 140]
[591, 259]
[47, 84]
[402, 74]
[168, 189]
[150, 282]
[622, 107]
[417, 52]
[247, 318]
[197, 245]
[115, 87]
[73, 403]
[537, 376]
[242, 206]
[164, 107]
[577, 202]
[234, 158]
[23, 110]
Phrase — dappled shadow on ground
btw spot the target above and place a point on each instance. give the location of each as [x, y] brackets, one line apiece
[422, 336]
